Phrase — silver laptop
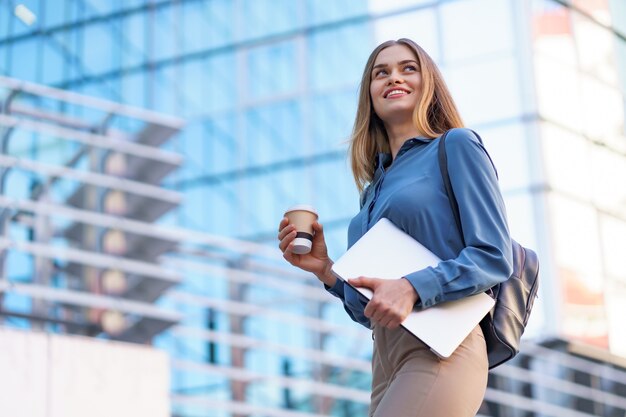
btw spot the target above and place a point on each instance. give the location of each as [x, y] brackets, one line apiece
[387, 252]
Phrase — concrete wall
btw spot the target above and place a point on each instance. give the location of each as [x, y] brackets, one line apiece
[46, 375]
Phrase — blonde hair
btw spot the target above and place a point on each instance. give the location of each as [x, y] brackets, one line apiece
[434, 114]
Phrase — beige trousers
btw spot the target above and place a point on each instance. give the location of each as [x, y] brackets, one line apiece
[410, 381]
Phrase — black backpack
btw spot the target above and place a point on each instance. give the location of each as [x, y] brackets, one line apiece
[504, 325]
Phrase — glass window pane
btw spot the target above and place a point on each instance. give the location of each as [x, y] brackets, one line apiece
[558, 92]
[195, 20]
[221, 133]
[18, 26]
[134, 39]
[564, 154]
[618, 11]
[272, 70]
[165, 94]
[521, 217]
[335, 60]
[616, 311]
[613, 244]
[195, 87]
[54, 13]
[576, 240]
[603, 112]
[324, 11]
[552, 37]
[486, 90]
[54, 63]
[382, 6]
[220, 95]
[468, 34]
[508, 147]
[134, 89]
[265, 17]
[620, 51]
[595, 49]
[420, 26]
[598, 10]
[103, 7]
[274, 133]
[165, 30]
[331, 118]
[22, 65]
[578, 258]
[6, 20]
[98, 45]
[608, 170]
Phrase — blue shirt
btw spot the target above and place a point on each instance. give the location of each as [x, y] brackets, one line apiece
[409, 192]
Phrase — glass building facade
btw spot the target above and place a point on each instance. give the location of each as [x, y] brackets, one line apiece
[267, 90]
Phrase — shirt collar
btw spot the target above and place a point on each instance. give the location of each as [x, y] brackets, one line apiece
[384, 159]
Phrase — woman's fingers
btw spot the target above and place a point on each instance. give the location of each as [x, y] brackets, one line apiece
[391, 302]
[289, 256]
[318, 230]
[286, 240]
[286, 234]
[284, 228]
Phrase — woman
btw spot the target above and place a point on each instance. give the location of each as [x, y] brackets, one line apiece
[404, 107]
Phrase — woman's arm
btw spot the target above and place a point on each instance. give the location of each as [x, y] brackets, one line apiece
[486, 259]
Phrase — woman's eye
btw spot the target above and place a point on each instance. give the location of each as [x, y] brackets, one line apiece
[410, 68]
[380, 73]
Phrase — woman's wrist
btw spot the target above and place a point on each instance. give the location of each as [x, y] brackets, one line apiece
[326, 276]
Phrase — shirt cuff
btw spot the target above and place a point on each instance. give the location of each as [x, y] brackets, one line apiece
[427, 287]
[337, 289]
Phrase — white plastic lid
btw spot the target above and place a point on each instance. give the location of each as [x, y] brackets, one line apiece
[303, 207]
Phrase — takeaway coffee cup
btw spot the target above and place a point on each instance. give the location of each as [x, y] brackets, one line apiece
[302, 217]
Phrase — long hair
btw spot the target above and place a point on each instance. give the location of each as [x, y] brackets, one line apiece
[434, 114]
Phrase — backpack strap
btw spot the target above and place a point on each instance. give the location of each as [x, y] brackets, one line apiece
[443, 167]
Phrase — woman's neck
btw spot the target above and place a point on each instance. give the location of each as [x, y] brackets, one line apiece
[398, 134]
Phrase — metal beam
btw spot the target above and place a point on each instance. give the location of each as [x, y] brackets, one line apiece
[542, 379]
[240, 247]
[567, 360]
[94, 179]
[245, 276]
[118, 143]
[531, 405]
[243, 341]
[248, 309]
[259, 170]
[209, 404]
[92, 102]
[246, 375]
[94, 259]
[90, 300]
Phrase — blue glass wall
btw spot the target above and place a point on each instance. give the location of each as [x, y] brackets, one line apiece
[269, 88]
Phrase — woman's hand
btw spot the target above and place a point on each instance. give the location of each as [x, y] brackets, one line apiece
[392, 301]
[316, 261]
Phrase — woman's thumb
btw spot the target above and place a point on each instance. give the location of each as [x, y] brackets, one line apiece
[362, 282]
[318, 230]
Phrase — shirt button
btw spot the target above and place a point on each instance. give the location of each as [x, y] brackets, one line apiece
[437, 298]
[427, 303]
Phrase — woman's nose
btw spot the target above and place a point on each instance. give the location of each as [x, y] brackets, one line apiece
[395, 78]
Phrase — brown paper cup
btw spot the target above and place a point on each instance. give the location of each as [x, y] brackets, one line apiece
[302, 217]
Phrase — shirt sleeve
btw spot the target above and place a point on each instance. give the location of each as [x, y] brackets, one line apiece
[486, 259]
[353, 302]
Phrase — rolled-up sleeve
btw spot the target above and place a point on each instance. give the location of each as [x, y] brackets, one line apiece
[486, 259]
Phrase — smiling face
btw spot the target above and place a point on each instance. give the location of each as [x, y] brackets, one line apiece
[395, 86]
